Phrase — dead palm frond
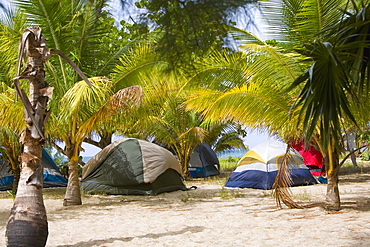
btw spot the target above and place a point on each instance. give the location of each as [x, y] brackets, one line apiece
[283, 181]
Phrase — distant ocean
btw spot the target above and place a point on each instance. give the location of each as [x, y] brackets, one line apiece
[231, 153]
[223, 155]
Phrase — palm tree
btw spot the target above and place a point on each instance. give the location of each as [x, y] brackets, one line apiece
[28, 211]
[337, 76]
[85, 109]
[249, 88]
[224, 136]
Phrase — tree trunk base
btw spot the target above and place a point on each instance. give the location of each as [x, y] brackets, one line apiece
[67, 202]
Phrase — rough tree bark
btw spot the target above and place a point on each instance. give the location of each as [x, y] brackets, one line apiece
[73, 193]
[331, 160]
[27, 224]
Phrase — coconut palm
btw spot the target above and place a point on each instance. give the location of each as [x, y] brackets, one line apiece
[28, 211]
[84, 109]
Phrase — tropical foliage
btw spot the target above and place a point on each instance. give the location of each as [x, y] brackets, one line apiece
[161, 117]
[191, 28]
[100, 48]
[311, 81]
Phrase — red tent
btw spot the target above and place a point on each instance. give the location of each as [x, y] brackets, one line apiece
[311, 157]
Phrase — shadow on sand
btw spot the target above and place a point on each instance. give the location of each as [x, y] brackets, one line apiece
[192, 229]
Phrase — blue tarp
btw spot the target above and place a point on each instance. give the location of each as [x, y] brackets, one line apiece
[52, 175]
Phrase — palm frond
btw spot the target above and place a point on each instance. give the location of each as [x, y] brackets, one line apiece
[82, 101]
[113, 60]
[315, 16]
[51, 16]
[119, 103]
[283, 181]
[326, 102]
[301, 20]
[11, 27]
[273, 64]
[220, 70]
[254, 106]
[140, 59]
[11, 111]
[10, 147]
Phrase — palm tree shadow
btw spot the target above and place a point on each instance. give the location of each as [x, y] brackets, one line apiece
[192, 229]
[358, 204]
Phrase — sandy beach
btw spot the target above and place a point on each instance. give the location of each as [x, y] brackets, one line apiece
[210, 215]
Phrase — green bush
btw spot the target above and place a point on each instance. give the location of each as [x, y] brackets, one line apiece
[228, 163]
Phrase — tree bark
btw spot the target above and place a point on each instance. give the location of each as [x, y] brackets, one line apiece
[17, 175]
[73, 193]
[332, 202]
[27, 224]
[105, 140]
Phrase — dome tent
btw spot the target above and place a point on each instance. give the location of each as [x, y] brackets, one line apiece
[259, 166]
[132, 167]
[203, 162]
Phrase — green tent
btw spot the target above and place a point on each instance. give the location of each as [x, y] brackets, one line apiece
[132, 167]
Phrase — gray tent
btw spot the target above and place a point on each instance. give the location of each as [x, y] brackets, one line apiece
[132, 167]
[203, 162]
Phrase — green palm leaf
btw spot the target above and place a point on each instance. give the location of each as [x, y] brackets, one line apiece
[251, 105]
[140, 59]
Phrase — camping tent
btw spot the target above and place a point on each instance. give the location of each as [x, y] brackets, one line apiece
[52, 175]
[312, 157]
[259, 166]
[203, 162]
[132, 167]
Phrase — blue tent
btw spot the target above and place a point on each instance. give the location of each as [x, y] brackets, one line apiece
[203, 162]
[259, 166]
[52, 175]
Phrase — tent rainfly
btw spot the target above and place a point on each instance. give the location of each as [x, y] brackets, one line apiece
[132, 167]
[259, 166]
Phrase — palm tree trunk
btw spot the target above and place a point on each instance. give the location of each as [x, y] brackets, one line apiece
[16, 173]
[27, 224]
[73, 193]
[332, 202]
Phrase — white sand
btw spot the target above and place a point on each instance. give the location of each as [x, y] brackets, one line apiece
[209, 216]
